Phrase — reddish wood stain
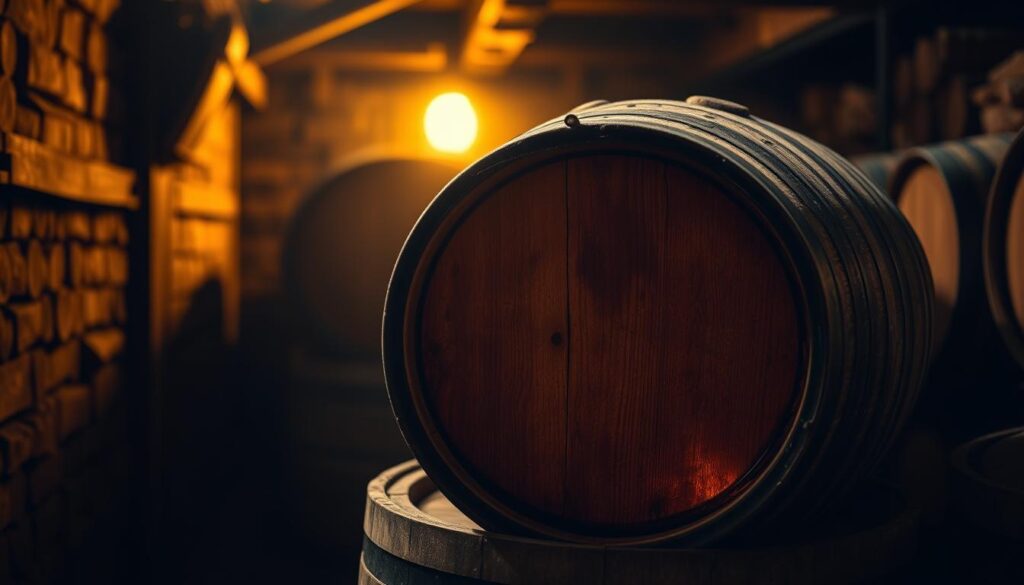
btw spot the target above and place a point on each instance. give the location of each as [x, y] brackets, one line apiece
[493, 377]
[610, 340]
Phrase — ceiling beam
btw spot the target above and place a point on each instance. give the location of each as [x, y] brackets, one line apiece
[693, 8]
[323, 24]
[441, 5]
[433, 59]
[619, 8]
[496, 32]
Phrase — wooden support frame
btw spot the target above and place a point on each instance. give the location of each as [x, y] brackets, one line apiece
[432, 59]
[344, 17]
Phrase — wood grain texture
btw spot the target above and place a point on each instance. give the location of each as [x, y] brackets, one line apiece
[74, 404]
[680, 371]
[19, 269]
[6, 337]
[611, 327]
[15, 386]
[21, 222]
[28, 323]
[873, 540]
[617, 248]
[1015, 252]
[56, 267]
[926, 202]
[6, 276]
[38, 272]
[494, 331]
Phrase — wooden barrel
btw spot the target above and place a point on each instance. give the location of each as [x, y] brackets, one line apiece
[989, 499]
[341, 246]
[1004, 250]
[688, 318]
[878, 167]
[941, 189]
[415, 535]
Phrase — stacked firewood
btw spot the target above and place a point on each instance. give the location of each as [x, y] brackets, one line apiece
[63, 275]
[62, 313]
[1001, 98]
[61, 78]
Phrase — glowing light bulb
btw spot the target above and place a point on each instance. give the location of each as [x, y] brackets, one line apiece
[450, 123]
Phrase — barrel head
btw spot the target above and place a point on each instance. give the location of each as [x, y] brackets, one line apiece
[609, 341]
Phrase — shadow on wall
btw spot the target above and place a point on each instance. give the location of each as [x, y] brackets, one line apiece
[336, 427]
[198, 435]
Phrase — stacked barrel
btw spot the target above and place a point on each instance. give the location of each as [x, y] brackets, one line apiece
[62, 277]
[965, 200]
[960, 196]
[942, 190]
[989, 480]
[1003, 250]
[650, 323]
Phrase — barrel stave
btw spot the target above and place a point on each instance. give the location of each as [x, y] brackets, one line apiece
[962, 172]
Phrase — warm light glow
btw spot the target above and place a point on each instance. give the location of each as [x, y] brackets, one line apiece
[450, 123]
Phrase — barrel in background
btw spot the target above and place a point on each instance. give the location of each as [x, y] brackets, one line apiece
[340, 431]
[1004, 250]
[942, 190]
[567, 356]
[341, 245]
[878, 167]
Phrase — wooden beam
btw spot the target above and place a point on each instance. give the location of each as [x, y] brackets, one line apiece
[213, 98]
[675, 8]
[691, 8]
[497, 31]
[440, 5]
[249, 78]
[618, 8]
[251, 83]
[433, 59]
[333, 20]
